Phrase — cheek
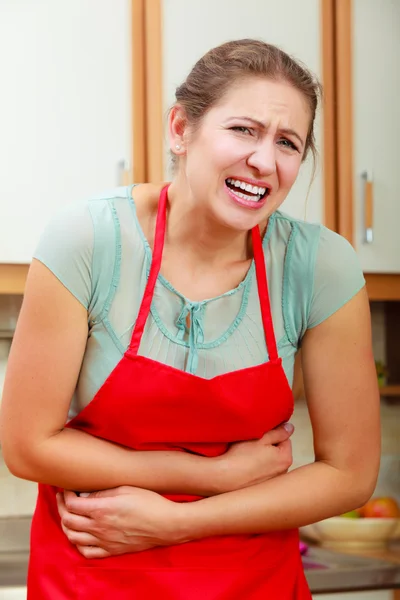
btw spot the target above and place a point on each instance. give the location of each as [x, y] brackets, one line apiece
[288, 170]
[223, 150]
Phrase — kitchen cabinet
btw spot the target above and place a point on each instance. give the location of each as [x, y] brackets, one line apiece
[216, 22]
[354, 71]
[368, 126]
[376, 87]
[65, 111]
[367, 123]
[88, 86]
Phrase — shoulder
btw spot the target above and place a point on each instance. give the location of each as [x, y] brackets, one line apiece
[104, 205]
[315, 240]
[82, 239]
[333, 249]
[309, 231]
[75, 229]
[82, 212]
[289, 230]
[296, 244]
[321, 271]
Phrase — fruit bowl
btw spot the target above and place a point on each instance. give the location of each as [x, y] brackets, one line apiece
[340, 532]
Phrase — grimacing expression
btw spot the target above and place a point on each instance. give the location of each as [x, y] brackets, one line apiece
[245, 155]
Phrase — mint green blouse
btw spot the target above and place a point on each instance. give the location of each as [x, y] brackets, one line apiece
[98, 251]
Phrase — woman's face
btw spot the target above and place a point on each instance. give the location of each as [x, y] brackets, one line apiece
[243, 159]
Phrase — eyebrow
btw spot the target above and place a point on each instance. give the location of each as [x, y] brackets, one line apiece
[286, 131]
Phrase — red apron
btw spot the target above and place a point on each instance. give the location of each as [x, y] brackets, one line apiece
[146, 405]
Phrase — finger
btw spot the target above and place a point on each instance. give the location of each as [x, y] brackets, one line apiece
[285, 451]
[72, 521]
[109, 493]
[80, 506]
[278, 435]
[93, 552]
[285, 447]
[80, 538]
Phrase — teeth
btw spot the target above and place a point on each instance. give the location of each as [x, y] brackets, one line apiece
[248, 198]
[253, 189]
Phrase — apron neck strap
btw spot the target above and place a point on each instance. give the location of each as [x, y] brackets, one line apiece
[262, 282]
[263, 294]
[154, 271]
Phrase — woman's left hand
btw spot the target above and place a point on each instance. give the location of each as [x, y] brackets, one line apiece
[120, 520]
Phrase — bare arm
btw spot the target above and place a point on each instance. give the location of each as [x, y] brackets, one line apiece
[343, 399]
[43, 369]
[342, 394]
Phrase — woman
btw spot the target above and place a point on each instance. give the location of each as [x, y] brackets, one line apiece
[180, 379]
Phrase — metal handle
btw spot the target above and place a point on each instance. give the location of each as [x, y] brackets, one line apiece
[123, 172]
[368, 191]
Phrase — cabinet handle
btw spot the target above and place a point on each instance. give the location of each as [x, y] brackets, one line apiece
[368, 190]
[123, 172]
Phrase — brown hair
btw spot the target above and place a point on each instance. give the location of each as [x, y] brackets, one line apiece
[218, 69]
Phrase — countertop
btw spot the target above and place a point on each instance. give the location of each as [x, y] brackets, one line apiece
[326, 571]
[352, 570]
[13, 569]
[390, 553]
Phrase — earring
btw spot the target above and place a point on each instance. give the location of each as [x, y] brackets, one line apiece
[177, 146]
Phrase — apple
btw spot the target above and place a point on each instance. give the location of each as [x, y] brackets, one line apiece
[381, 508]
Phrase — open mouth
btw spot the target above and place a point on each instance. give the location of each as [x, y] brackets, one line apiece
[246, 191]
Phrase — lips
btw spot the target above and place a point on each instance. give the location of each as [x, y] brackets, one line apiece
[246, 190]
[245, 200]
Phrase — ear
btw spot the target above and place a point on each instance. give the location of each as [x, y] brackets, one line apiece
[177, 127]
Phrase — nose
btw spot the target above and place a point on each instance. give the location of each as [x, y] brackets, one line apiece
[263, 158]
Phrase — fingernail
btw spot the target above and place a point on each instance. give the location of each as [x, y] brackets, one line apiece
[289, 427]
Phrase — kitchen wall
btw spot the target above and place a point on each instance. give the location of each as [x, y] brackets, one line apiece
[389, 476]
[18, 497]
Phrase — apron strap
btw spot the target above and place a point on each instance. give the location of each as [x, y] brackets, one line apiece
[154, 270]
[262, 284]
[261, 274]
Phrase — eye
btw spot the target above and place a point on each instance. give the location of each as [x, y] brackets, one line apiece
[242, 129]
[288, 144]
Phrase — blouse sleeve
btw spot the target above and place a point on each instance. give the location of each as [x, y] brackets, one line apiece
[66, 248]
[337, 276]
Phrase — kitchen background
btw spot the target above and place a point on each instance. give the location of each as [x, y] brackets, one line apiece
[86, 88]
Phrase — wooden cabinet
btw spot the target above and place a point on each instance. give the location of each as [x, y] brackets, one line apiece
[367, 125]
[65, 110]
[88, 85]
[376, 118]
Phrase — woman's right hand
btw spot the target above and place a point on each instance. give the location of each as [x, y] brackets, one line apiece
[251, 462]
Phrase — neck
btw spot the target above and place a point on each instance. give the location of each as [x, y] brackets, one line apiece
[194, 228]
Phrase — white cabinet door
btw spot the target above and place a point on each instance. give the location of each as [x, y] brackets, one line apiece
[65, 106]
[190, 28]
[376, 49]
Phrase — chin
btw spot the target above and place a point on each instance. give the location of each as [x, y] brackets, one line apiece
[237, 221]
